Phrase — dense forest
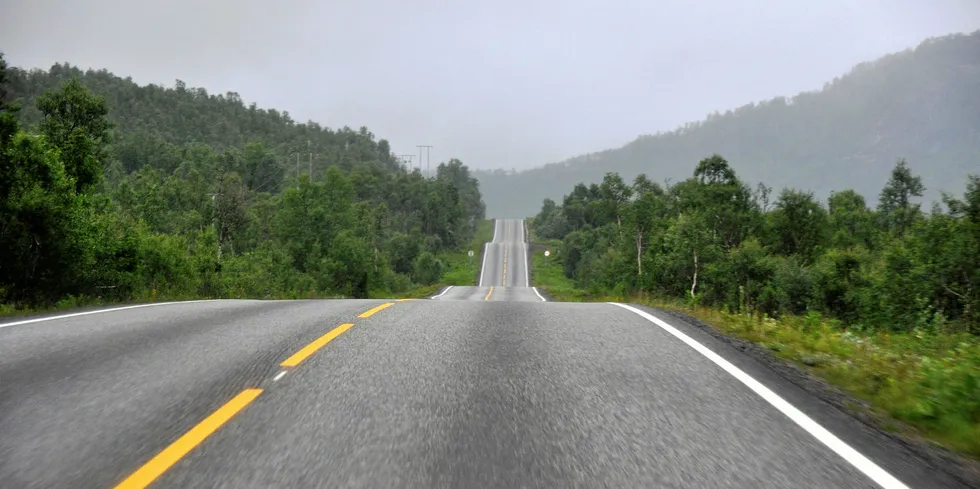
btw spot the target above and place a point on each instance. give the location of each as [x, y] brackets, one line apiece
[113, 190]
[716, 240]
[922, 104]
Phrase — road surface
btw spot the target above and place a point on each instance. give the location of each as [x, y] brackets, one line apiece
[507, 392]
[504, 274]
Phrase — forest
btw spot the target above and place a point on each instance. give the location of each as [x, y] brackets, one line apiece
[713, 239]
[921, 104]
[114, 191]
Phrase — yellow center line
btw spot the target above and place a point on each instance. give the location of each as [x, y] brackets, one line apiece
[369, 313]
[159, 464]
[404, 300]
[503, 279]
[310, 349]
[488, 294]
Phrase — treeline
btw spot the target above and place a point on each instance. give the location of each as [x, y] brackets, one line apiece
[921, 104]
[715, 240]
[161, 204]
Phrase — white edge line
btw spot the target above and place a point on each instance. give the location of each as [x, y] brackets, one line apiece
[535, 289]
[483, 267]
[852, 456]
[442, 293]
[527, 266]
[100, 311]
[279, 376]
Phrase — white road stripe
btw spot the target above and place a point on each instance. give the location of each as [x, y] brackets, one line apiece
[279, 376]
[852, 456]
[100, 311]
[527, 265]
[535, 289]
[483, 267]
[442, 293]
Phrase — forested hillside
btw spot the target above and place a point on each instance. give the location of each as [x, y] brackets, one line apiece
[112, 190]
[922, 105]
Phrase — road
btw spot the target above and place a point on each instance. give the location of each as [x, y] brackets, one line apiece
[508, 392]
[504, 274]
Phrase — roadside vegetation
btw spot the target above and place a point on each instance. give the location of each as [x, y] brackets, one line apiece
[112, 192]
[882, 302]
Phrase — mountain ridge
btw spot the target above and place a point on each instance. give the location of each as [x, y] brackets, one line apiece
[921, 104]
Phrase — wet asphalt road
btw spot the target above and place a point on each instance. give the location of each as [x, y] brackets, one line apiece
[459, 392]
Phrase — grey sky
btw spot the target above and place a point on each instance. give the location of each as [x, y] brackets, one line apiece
[503, 83]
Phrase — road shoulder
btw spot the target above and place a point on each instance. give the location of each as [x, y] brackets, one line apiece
[916, 461]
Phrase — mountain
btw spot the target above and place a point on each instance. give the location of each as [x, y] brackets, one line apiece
[922, 104]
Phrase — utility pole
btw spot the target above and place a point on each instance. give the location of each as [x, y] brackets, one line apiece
[406, 160]
[428, 153]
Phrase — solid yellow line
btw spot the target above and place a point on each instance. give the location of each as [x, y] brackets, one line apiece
[488, 294]
[310, 349]
[367, 314]
[404, 300]
[153, 469]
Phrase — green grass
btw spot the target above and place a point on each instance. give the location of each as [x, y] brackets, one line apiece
[461, 269]
[928, 381]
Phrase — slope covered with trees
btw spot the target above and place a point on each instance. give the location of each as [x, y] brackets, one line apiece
[129, 192]
[922, 104]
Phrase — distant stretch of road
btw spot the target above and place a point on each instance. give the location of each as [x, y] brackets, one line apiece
[504, 273]
[492, 389]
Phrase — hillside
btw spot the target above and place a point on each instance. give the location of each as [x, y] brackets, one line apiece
[110, 190]
[922, 104]
[150, 117]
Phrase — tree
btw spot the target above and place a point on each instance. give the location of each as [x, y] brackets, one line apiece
[799, 225]
[895, 202]
[75, 121]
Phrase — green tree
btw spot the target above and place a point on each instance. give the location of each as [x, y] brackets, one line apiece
[75, 121]
[895, 202]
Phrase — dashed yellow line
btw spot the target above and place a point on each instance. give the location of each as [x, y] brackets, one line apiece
[156, 466]
[159, 464]
[371, 312]
[489, 294]
[318, 343]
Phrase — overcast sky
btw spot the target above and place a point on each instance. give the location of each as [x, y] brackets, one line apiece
[498, 84]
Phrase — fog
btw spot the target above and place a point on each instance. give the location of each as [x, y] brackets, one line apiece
[504, 84]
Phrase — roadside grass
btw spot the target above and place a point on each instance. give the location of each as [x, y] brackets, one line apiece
[460, 268]
[930, 381]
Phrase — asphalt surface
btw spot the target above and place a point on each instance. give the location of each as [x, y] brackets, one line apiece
[425, 393]
[504, 274]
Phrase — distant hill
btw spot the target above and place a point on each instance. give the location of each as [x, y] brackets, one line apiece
[922, 104]
[150, 120]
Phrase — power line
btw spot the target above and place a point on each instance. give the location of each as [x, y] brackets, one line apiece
[406, 159]
[428, 153]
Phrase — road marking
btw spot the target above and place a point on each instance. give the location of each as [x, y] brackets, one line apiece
[489, 294]
[159, 464]
[100, 311]
[371, 312]
[527, 265]
[404, 300]
[503, 279]
[535, 289]
[483, 267]
[279, 376]
[318, 343]
[442, 293]
[852, 456]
